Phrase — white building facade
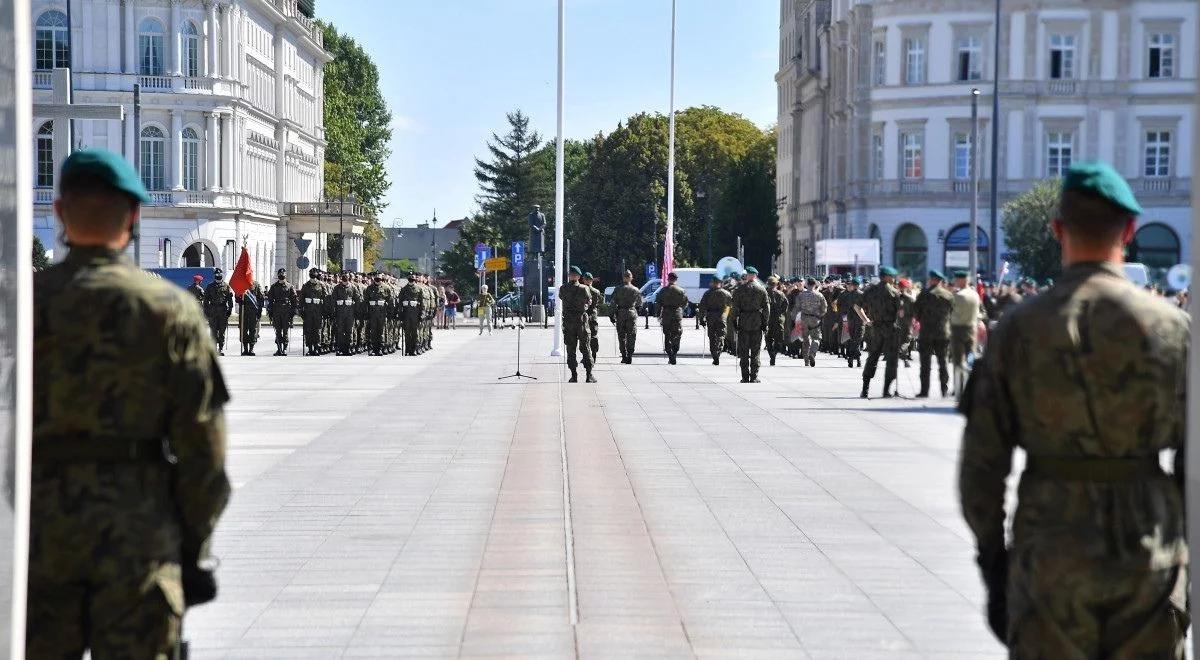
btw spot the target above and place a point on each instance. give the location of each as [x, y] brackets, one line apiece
[1113, 80]
[231, 137]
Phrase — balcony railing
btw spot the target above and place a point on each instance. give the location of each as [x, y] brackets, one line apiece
[1156, 184]
[43, 195]
[198, 84]
[154, 83]
[162, 198]
[290, 9]
[1060, 87]
[42, 79]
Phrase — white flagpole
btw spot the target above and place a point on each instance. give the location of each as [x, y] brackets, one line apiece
[669, 242]
[559, 181]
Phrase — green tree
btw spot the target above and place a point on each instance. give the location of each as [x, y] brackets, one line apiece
[40, 260]
[1026, 222]
[747, 208]
[517, 175]
[358, 132]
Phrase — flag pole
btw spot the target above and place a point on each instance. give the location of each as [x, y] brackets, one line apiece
[669, 240]
[559, 181]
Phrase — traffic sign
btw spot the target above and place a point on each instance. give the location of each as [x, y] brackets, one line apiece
[496, 263]
[518, 252]
[302, 245]
[519, 282]
[482, 252]
[651, 271]
[302, 263]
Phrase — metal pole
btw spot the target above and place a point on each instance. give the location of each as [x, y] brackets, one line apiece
[669, 240]
[137, 165]
[974, 260]
[1192, 489]
[741, 255]
[994, 237]
[70, 78]
[559, 177]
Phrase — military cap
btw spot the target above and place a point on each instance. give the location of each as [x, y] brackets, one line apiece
[218, 271]
[588, 276]
[281, 271]
[751, 270]
[110, 168]
[888, 271]
[855, 280]
[1099, 179]
[773, 278]
[937, 274]
[197, 278]
[1049, 281]
[672, 276]
[959, 273]
[576, 270]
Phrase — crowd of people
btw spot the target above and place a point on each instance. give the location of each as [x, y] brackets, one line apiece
[344, 313]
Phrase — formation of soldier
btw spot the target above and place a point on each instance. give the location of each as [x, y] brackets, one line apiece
[345, 313]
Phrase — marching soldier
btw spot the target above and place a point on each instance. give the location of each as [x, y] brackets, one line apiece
[831, 325]
[312, 303]
[750, 312]
[250, 313]
[594, 314]
[345, 298]
[776, 318]
[282, 305]
[128, 476]
[218, 305]
[1089, 379]
[714, 309]
[812, 309]
[847, 303]
[626, 301]
[731, 286]
[879, 310]
[576, 302]
[932, 311]
[671, 300]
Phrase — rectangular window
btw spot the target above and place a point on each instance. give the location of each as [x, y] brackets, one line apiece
[914, 61]
[1158, 154]
[913, 156]
[962, 156]
[1162, 56]
[191, 66]
[1062, 56]
[880, 63]
[151, 47]
[1060, 147]
[877, 156]
[45, 161]
[153, 164]
[191, 164]
[970, 58]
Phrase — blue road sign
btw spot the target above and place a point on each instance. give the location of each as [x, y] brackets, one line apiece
[518, 252]
[651, 271]
[482, 254]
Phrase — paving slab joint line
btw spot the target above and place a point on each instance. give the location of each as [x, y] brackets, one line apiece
[568, 531]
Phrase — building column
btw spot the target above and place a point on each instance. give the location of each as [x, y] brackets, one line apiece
[175, 43]
[210, 155]
[176, 150]
[212, 40]
[281, 138]
[226, 150]
[280, 104]
[131, 63]
[231, 39]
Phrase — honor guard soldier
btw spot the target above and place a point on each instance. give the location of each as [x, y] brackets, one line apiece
[282, 307]
[218, 305]
[932, 311]
[776, 318]
[851, 321]
[128, 470]
[750, 311]
[576, 301]
[345, 297]
[714, 310]
[671, 300]
[375, 298]
[410, 310]
[1089, 380]
[879, 310]
[626, 301]
[250, 313]
[312, 312]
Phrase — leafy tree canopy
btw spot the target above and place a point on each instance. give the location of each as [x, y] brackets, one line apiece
[1026, 223]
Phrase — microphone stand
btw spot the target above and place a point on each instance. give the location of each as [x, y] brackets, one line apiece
[520, 326]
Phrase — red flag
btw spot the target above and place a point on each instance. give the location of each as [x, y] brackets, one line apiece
[668, 257]
[242, 276]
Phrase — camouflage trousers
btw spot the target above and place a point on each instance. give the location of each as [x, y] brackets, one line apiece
[929, 349]
[248, 333]
[882, 343]
[103, 563]
[776, 336]
[627, 335]
[716, 334]
[672, 327]
[962, 344]
[575, 336]
[810, 343]
[749, 346]
[594, 332]
[218, 325]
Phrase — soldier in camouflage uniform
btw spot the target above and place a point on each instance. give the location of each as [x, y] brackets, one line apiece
[312, 305]
[282, 304]
[1089, 380]
[626, 301]
[410, 313]
[880, 309]
[594, 315]
[847, 301]
[250, 312]
[375, 298]
[576, 303]
[730, 287]
[932, 311]
[714, 309]
[750, 313]
[218, 305]
[197, 289]
[671, 300]
[776, 318]
[345, 298]
[128, 475]
[812, 310]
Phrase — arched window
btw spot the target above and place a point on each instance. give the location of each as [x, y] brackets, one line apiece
[191, 159]
[191, 50]
[50, 41]
[910, 252]
[153, 149]
[958, 249]
[151, 47]
[44, 150]
[1157, 246]
[197, 255]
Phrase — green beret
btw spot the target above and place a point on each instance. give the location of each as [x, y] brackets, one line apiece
[937, 274]
[1049, 281]
[856, 280]
[575, 270]
[888, 270]
[1101, 180]
[588, 276]
[751, 270]
[960, 273]
[110, 168]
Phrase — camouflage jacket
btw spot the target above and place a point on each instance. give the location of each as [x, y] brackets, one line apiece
[576, 302]
[218, 300]
[881, 303]
[1094, 368]
[252, 302]
[138, 365]
[281, 300]
[932, 311]
[778, 305]
[812, 306]
[751, 307]
[626, 301]
[313, 293]
[345, 297]
[715, 303]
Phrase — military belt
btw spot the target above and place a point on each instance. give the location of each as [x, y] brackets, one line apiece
[1099, 470]
[99, 449]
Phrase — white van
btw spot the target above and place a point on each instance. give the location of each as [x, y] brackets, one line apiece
[694, 281]
[1138, 274]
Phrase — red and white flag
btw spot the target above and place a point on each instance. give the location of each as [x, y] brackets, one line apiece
[243, 275]
[668, 257]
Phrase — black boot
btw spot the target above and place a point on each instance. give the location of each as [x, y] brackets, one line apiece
[590, 378]
[866, 384]
[772, 359]
[745, 374]
[717, 359]
[574, 377]
[887, 388]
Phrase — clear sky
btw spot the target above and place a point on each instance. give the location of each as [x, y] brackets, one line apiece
[451, 69]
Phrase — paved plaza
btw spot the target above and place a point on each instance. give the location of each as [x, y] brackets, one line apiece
[401, 507]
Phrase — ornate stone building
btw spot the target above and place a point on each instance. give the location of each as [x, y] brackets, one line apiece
[888, 152]
[230, 143]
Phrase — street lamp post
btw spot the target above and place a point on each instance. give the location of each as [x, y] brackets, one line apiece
[993, 254]
[974, 259]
